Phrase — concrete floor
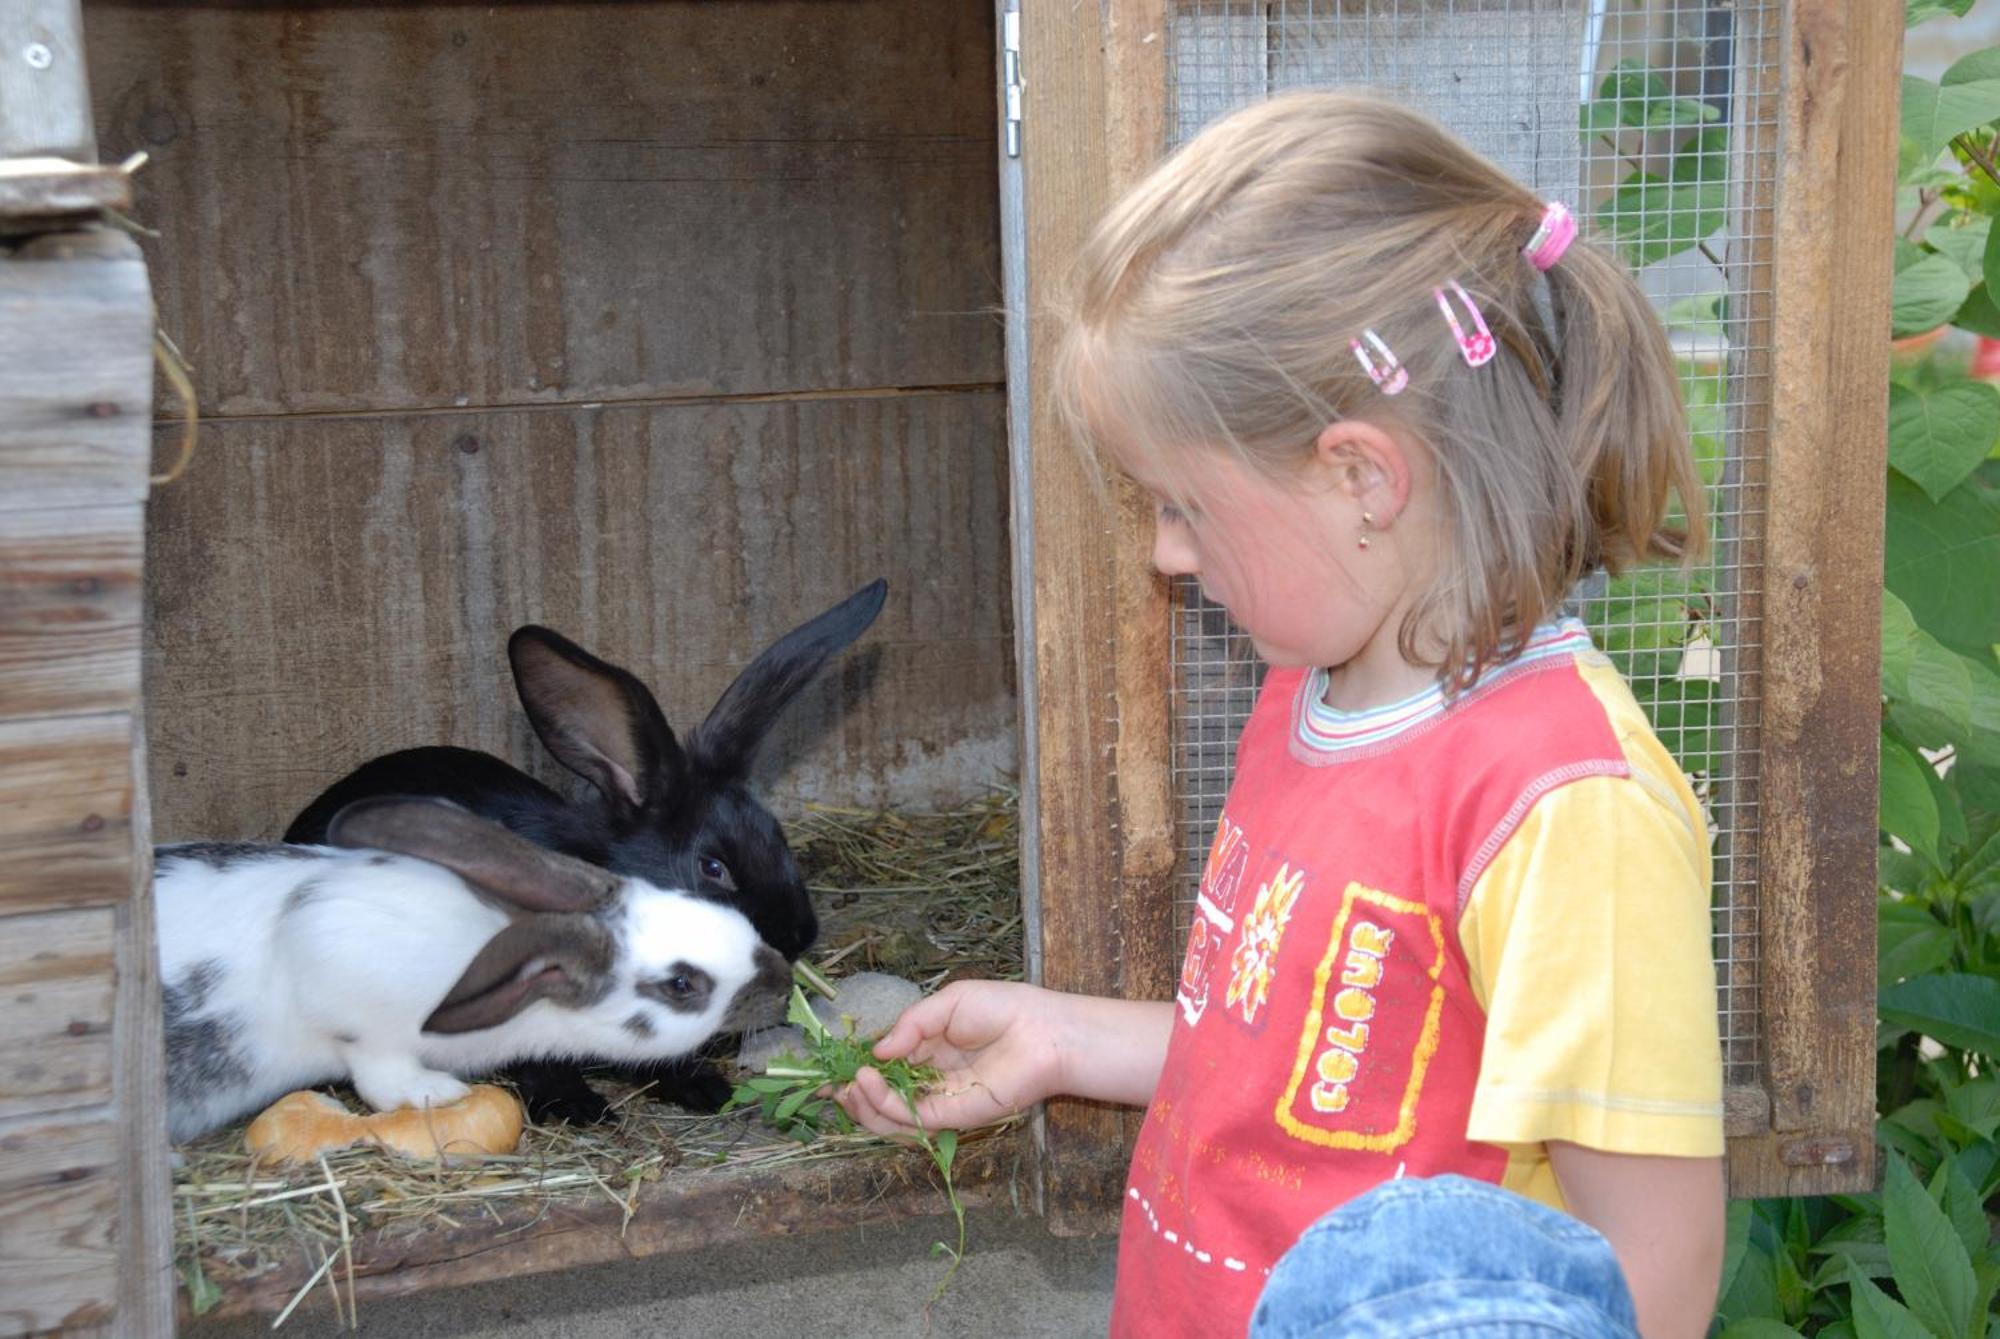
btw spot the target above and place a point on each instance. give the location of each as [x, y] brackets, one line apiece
[1017, 1282]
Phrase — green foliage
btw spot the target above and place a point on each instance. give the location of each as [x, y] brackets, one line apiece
[787, 1095]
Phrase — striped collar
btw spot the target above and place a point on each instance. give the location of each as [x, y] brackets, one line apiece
[1322, 730]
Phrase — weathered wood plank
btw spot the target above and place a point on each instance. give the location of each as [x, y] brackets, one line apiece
[56, 989]
[1821, 597]
[682, 1212]
[36, 190]
[69, 610]
[76, 369]
[58, 1224]
[145, 1186]
[324, 591]
[65, 812]
[44, 88]
[1095, 90]
[438, 205]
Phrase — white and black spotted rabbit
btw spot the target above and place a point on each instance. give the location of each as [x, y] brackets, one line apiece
[427, 944]
[678, 815]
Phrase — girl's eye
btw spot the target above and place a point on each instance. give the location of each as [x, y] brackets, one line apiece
[1172, 515]
[716, 872]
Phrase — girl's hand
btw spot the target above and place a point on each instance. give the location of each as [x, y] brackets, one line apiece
[1003, 1046]
[995, 1042]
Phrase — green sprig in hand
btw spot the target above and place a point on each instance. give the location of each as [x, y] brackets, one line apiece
[790, 1094]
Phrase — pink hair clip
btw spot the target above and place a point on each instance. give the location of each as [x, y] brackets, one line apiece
[1478, 347]
[1552, 238]
[1390, 376]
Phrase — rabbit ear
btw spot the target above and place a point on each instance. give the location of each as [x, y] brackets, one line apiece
[561, 958]
[513, 869]
[599, 721]
[726, 743]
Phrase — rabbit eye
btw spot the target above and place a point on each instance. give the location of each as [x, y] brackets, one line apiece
[716, 872]
[683, 988]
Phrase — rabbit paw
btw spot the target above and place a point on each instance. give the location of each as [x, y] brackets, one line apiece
[386, 1083]
[557, 1093]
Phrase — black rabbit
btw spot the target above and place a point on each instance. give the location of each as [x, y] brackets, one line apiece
[679, 816]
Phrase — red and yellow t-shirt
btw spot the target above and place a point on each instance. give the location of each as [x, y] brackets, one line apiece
[1429, 938]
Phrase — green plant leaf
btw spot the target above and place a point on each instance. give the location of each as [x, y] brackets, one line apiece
[1967, 1214]
[1921, 11]
[203, 1294]
[1735, 1243]
[1907, 807]
[1899, 645]
[1933, 113]
[1652, 218]
[1977, 1105]
[1938, 437]
[1955, 1008]
[1979, 315]
[1633, 96]
[1759, 1327]
[1754, 1290]
[1929, 288]
[947, 1149]
[1973, 67]
[1941, 560]
[1962, 238]
[1933, 1271]
[1878, 1316]
[1981, 871]
[1911, 940]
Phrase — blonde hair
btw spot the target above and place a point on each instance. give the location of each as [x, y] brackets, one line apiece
[1214, 305]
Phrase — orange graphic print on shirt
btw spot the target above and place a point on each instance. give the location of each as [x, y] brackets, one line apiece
[1255, 961]
[1372, 1028]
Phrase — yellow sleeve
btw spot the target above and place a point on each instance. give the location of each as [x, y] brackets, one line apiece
[1589, 942]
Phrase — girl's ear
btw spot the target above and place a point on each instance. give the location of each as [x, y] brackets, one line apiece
[1367, 463]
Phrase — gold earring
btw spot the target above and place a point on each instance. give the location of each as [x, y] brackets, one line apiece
[1367, 519]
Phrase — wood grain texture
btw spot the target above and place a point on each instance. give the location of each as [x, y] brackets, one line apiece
[1095, 86]
[58, 1224]
[683, 1211]
[44, 103]
[69, 610]
[56, 991]
[437, 206]
[65, 812]
[326, 590]
[1821, 598]
[76, 369]
[139, 1090]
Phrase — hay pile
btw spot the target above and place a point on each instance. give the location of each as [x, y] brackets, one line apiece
[931, 897]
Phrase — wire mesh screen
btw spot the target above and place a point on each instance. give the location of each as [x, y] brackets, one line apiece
[1656, 121]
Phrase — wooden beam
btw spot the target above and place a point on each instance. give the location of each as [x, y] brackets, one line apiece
[44, 89]
[1821, 597]
[59, 1224]
[1093, 120]
[76, 347]
[69, 610]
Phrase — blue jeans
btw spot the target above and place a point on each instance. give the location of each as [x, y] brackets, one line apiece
[1443, 1258]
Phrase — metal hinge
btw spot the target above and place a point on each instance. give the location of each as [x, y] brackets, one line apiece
[1010, 73]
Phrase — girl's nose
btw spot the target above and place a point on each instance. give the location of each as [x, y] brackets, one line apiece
[1173, 552]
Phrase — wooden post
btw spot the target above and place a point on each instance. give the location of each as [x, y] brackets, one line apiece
[44, 96]
[1093, 120]
[85, 1223]
[1821, 596]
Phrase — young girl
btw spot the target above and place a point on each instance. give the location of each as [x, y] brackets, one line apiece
[1455, 917]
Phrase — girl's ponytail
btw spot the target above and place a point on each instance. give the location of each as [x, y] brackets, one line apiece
[1618, 412]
